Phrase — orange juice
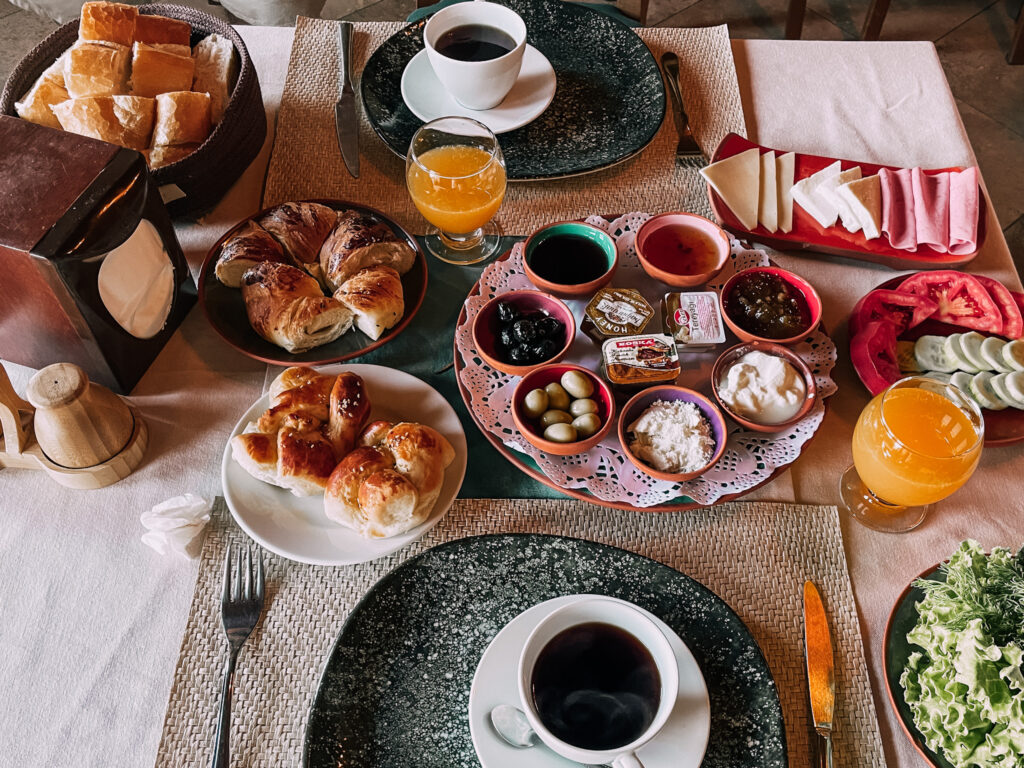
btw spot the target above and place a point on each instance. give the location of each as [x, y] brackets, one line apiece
[915, 448]
[463, 191]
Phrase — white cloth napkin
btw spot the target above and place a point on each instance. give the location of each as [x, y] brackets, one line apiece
[176, 525]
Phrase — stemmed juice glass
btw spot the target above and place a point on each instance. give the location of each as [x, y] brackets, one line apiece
[914, 444]
[455, 173]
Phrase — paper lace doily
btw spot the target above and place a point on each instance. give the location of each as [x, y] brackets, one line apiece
[750, 458]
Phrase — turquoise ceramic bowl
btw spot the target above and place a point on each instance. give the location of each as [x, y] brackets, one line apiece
[594, 260]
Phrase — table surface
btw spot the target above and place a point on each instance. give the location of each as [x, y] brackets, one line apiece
[91, 619]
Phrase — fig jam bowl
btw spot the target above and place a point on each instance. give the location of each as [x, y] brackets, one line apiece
[770, 304]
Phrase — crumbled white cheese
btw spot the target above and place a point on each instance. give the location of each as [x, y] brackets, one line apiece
[672, 436]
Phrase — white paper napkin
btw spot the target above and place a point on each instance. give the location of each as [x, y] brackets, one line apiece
[176, 525]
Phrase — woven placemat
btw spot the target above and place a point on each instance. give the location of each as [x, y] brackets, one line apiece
[306, 162]
[755, 556]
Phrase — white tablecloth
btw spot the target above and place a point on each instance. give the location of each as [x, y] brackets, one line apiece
[91, 619]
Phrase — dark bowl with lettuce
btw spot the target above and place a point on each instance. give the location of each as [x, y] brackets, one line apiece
[953, 663]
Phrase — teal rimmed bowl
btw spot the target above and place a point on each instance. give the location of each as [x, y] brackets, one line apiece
[543, 275]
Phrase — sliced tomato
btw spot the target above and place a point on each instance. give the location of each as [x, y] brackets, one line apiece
[1013, 321]
[961, 298]
[901, 308]
[873, 354]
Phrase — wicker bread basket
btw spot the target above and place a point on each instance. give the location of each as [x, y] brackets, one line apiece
[206, 174]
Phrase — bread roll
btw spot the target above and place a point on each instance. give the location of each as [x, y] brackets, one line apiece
[300, 398]
[49, 89]
[301, 228]
[109, 22]
[176, 50]
[159, 30]
[287, 308]
[349, 412]
[387, 489]
[182, 117]
[156, 71]
[159, 156]
[250, 246]
[298, 461]
[375, 297]
[95, 69]
[123, 120]
[216, 72]
[358, 241]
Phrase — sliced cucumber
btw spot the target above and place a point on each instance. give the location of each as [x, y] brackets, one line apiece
[982, 391]
[931, 355]
[971, 343]
[962, 381]
[905, 357]
[1015, 385]
[1013, 355]
[998, 383]
[954, 352]
[992, 351]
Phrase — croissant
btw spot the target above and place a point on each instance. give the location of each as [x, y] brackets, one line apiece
[360, 240]
[375, 297]
[286, 307]
[301, 228]
[245, 250]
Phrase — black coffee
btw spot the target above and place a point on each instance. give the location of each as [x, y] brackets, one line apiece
[595, 686]
[474, 42]
[569, 259]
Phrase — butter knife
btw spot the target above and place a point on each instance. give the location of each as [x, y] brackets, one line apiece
[820, 672]
[345, 120]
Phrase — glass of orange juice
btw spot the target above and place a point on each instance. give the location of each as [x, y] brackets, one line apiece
[455, 172]
[914, 444]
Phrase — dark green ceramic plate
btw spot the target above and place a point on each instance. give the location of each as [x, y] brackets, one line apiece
[395, 689]
[897, 652]
[609, 102]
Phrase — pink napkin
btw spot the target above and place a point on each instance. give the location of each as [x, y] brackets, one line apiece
[898, 221]
[931, 209]
[963, 211]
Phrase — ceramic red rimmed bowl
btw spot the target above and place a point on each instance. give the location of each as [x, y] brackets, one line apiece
[804, 288]
[530, 428]
[729, 358]
[485, 328]
[657, 264]
[632, 410]
[608, 259]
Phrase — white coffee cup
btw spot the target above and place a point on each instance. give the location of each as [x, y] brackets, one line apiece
[627, 617]
[476, 84]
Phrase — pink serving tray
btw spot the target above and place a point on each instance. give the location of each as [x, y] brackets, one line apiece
[808, 235]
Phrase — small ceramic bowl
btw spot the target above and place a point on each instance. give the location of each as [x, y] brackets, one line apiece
[802, 286]
[573, 229]
[728, 358]
[683, 223]
[530, 429]
[485, 327]
[639, 403]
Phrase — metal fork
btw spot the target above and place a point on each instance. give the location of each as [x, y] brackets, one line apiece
[241, 604]
[687, 150]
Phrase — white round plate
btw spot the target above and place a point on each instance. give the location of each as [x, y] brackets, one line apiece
[680, 744]
[529, 97]
[296, 526]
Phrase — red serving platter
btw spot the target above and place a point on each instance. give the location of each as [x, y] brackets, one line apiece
[523, 462]
[1004, 427]
[808, 235]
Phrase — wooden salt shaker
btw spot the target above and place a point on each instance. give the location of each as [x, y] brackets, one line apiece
[78, 424]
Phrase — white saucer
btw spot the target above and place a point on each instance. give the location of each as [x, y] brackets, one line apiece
[680, 744]
[529, 97]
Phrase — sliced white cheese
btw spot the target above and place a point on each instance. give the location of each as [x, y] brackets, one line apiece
[828, 189]
[785, 172]
[864, 197]
[768, 202]
[806, 195]
[737, 181]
